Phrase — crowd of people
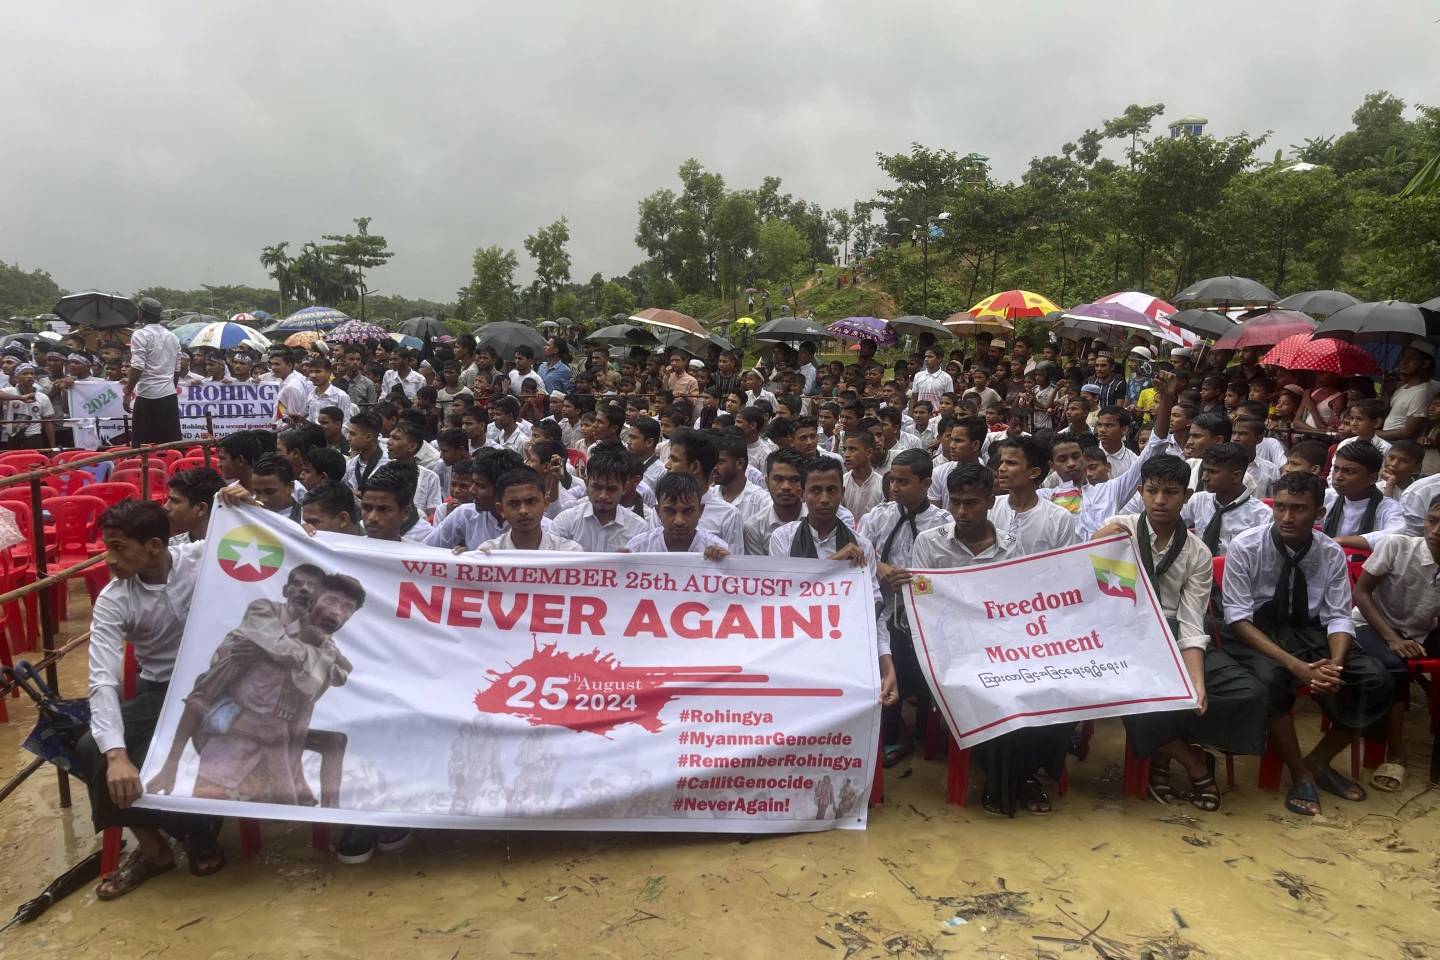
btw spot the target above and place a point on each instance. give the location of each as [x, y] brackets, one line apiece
[934, 459]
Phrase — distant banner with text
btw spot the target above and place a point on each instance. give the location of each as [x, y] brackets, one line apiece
[231, 407]
[1071, 634]
[361, 681]
[97, 412]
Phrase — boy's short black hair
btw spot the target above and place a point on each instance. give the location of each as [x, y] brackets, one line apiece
[1166, 467]
[333, 499]
[328, 462]
[915, 460]
[366, 420]
[677, 487]
[821, 464]
[1362, 452]
[198, 484]
[396, 478]
[518, 477]
[1302, 484]
[1226, 456]
[1312, 452]
[138, 520]
[274, 465]
[970, 476]
[1215, 424]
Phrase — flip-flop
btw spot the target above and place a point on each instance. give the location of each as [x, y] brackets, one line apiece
[1302, 792]
[132, 872]
[1331, 782]
[1388, 777]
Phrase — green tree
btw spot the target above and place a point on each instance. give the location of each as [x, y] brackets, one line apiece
[490, 295]
[737, 231]
[840, 227]
[546, 247]
[782, 252]
[320, 278]
[277, 261]
[614, 299]
[26, 292]
[358, 252]
[1282, 224]
[1131, 124]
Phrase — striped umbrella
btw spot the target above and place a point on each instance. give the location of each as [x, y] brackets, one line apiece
[1013, 304]
[186, 332]
[224, 336]
[1159, 313]
[309, 318]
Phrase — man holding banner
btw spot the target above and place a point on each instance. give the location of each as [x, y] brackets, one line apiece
[1230, 714]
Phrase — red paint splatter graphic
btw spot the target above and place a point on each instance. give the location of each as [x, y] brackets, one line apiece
[592, 693]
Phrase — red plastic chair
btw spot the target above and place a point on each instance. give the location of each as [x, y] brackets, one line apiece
[189, 463]
[71, 481]
[167, 457]
[76, 519]
[133, 477]
[25, 459]
[19, 566]
[67, 456]
[20, 493]
[113, 492]
[8, 470]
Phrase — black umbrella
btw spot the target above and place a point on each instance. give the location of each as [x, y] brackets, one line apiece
[631, 334]
[914, 326]
[504, 336]
[1207, 323]
[795, 330]
[1226, 290]
[1384, 321]
[78, 876]
[103, 311]
[691, 344]
[426, 328]
[1317, 302]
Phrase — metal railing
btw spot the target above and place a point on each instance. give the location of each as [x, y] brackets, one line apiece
[45, 582]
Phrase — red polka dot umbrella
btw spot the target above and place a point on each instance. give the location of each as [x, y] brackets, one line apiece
[1326, 355]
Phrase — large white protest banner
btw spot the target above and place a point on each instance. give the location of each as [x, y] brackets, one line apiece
[1070, 634]
[231, 406]
[97, 412]
[345, 680]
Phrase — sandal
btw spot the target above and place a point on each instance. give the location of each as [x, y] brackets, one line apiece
[203, 853]
[134, 870]
[1161, 789]
[1033, 795]
[1346, 789]
[1388, 777]
[1302, 793]
[894, 753]
[1204, 791]
[991, 804]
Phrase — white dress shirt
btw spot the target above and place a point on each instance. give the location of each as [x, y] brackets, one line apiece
[860, 498]
[548, 541]
[293, 397]
[1416, 503]
[411, 382]
[578, 522]
[1252, 568]
[1120, 460]
[759, 450]
[1044, 526]
[723, 520]
[759, 527]
[333, 396]
[1408, 587]
[1184, 588]
[151, 617]
[825, 548]
[154, 351]
[355, 468]
[517, 378]
[516, 440]
[465, 527]
[937, 549]
[752, 500]
[931, 386]
[419, 531]
[1389, 518]
[653, 541]
[1260, 476]
[1272, 451]
[1101, 500]
[1248, 512]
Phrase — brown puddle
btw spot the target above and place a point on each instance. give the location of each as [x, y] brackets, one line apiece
[926, 880]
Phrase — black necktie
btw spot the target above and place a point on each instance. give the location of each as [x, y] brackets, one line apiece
[1292, 605]
[906, 516]
[1211, 536]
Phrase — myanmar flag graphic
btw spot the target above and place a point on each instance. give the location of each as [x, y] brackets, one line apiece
[1070, 500]
[1115, 577]
[250, 553]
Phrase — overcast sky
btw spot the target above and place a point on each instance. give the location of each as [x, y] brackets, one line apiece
[166, 143]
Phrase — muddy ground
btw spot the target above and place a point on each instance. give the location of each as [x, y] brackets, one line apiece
[1101, 877]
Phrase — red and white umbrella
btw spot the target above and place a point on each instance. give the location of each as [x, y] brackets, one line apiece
[1158, 311]
[1266, 329]
[671, 320]
[1328, 355]
[1283, 353]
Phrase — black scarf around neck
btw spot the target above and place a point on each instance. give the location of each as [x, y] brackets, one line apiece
[1367, 522]
[1172, 550]
[804, 543]
[1211, 536]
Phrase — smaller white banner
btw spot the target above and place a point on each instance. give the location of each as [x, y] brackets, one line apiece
[92, 399]
[231, 406]
[1070, 634]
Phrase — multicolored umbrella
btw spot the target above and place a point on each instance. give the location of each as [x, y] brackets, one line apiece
[356, 331]
[1328, 355]
[224, 336]
[248, 319]
[186, 332]
[874, 329]
[1013, 304]
[1114, 315]
[1265, 329]
[963, 325]
[671, 320]
[309, 318]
